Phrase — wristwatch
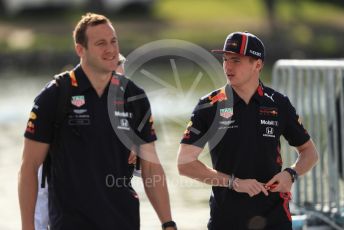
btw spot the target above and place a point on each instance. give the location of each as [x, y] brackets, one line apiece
[231, 182]
[169, 224]
[292, 173]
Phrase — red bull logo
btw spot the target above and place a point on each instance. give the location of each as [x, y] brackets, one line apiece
[267, 111]
[221, 96]
[73, 79]
[30, 128]
[33, 116]
[187, 131]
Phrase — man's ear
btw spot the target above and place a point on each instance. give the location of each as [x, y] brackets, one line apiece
[259, 65]
[79, 49]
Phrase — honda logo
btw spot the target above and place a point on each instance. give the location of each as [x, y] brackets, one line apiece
[269, 130]
[124, 122]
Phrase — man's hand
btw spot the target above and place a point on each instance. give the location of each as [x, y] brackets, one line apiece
[281, 182]
[250, 186]
[132, 157]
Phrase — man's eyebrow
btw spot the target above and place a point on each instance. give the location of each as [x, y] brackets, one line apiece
[103, 39]
[100, 40]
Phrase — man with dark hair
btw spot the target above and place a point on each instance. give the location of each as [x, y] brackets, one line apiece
[89, 175]
[242, 123]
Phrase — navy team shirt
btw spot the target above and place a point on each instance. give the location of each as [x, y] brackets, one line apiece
[244, 140]
[88, 188]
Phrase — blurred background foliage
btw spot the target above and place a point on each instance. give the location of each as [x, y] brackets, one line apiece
[289, 28]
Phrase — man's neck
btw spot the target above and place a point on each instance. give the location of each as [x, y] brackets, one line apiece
[98, 80]
[247, 91]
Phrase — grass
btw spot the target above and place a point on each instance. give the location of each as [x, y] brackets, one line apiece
[209, 12]
[310, 12]
[53, 42]
[208, 22]
[205, 23]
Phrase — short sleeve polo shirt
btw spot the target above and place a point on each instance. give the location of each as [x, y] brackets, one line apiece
[250, 145]
[244, 140]
[87, 189]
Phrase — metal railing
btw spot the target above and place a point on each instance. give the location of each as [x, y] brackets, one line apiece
[316, 89]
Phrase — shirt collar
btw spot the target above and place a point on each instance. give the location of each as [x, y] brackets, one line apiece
[257, 96]
[81, 79]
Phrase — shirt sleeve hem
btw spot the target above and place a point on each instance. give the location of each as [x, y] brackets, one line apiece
[42, 140]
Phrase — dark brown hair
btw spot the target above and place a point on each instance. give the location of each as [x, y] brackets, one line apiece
[89, 19]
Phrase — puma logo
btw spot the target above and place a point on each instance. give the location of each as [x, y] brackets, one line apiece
[267, 95]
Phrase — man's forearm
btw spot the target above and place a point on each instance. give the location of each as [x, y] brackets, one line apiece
[27, 192]
[155, 184]
[308, 156]
[199, 171]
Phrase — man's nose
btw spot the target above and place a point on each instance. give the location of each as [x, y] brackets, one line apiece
[111, 47]
[227, 65]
